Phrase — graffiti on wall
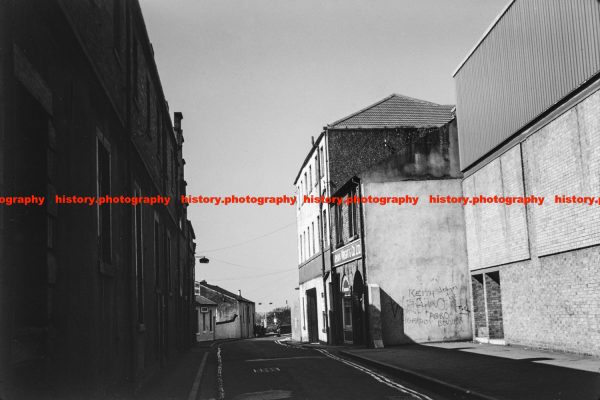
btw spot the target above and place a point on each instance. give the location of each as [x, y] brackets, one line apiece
[439, 306]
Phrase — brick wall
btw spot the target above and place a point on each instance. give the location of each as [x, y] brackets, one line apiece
[496, 234]
[553, 302]
[478, 305]
[551, 299]
[563, 158]
[494, 305]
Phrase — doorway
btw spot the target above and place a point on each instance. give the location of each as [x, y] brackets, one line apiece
[312, 315]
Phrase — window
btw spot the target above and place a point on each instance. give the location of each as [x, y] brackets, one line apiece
[210, 322]
[305, 184]
[310, 176]
[300, 247]
[309, 252]
[139, 254]
[156, 252]
[318, 232]
[304, 240]
[325, 223]
[352, 216]
[103, 189]
[168, 266]
[339, 224]
[314, 233]
[135, 69]
[322, 162]
[148, 109]
[316, 172]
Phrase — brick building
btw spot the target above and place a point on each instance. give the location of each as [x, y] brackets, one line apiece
[94, 299]
[234, 314]
[394, 146]
[528, 107]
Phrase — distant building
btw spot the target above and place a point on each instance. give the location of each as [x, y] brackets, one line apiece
[394, 147]
[92, 298]
[207, 312]
[234, 313]
[528, 100]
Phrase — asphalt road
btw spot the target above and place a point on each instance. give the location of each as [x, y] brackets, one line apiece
[270, 369]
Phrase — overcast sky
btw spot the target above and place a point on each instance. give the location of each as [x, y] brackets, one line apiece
[255, 79]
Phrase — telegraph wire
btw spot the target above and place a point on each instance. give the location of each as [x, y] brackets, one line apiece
[254, 276]
[248, 240]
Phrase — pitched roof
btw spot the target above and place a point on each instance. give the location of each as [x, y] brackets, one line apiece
[224, 291]
[397, 111]
[204, 301]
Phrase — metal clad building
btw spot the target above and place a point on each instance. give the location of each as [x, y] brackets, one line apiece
[533, 55]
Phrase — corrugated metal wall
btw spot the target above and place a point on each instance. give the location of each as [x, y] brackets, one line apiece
[537, 53]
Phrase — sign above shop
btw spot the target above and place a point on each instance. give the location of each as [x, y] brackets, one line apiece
[349, 252]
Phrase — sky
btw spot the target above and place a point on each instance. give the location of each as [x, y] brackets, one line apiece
[255, 79]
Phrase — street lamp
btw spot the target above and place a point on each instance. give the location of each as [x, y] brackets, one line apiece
[202, 259]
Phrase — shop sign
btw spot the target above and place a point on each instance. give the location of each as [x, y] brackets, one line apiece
[349, 252]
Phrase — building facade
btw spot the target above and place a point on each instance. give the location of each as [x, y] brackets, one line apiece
[234, 314]
[207, 314]
[95, 299]
[377, 257]
[535, 269]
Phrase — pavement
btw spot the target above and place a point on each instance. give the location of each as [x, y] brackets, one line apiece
[485, 371]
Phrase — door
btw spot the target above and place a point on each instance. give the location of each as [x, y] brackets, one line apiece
[312, 315]
[347, 319]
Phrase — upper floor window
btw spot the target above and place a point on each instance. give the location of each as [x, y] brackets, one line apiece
[316, 170]
[325, 224]
[321, 162]
[103, 188]
[352, 216]
[339, 225]
[305, 184]
[139, 256]
[310, 176]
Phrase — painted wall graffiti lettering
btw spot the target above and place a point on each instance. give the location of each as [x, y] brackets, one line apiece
[433, 306]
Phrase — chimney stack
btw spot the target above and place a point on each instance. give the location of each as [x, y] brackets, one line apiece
[239, 293]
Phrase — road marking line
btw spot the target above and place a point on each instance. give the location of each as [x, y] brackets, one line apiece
[378, 377]
[282, 358]
[196, 385]
[220, 374]
[268, 395]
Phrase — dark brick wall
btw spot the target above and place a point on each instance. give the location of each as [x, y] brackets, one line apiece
[494, 305]
[479, 305]
[75, 89]
[415, 152]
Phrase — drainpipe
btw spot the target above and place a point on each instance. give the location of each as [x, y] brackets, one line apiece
[366, 332]
[322, 243]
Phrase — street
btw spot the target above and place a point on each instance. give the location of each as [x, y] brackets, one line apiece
[269, 368]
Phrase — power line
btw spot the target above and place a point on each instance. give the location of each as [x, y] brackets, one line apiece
[248, 240]
[254, 276]
[237, 265]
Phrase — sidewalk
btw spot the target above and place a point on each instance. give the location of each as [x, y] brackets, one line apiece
[490, 371]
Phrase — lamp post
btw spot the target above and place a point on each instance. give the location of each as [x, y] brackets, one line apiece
[202, 259]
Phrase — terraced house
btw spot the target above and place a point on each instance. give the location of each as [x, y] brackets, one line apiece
[94, 299]
[359, 262]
